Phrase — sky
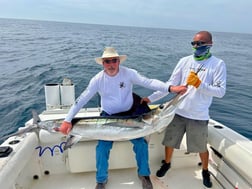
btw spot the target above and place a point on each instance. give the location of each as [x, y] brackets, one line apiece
[212, 15]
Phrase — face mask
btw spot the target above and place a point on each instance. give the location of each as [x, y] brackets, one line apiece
[202, 52]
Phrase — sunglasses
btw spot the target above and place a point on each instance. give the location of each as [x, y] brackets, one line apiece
[108, 61]
[198, 43]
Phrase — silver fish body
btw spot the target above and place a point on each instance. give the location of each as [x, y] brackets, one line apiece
[155, 121]
[120, 129]
[109, 128]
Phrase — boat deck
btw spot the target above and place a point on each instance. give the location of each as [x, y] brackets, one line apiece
[185, 173]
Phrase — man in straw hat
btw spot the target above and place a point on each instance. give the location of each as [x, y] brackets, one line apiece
[114, 84]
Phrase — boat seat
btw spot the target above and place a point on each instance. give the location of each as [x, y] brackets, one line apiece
[81, 156]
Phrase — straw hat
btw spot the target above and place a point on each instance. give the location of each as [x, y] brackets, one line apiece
[110, 52]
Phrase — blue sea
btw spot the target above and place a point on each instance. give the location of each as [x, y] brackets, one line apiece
[35, 53]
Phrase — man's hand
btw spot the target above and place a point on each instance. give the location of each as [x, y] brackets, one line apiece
[181, 89]
[193, 80]
[146, 100]
[65, 127]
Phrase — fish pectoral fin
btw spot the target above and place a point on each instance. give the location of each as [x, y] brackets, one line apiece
[72, 140]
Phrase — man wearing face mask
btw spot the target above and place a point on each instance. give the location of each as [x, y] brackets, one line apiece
[205, 77]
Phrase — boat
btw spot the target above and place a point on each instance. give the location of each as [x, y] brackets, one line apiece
[37, 160]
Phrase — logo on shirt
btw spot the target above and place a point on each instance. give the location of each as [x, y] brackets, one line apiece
[122, 85]
[218, 84]
[197, 70]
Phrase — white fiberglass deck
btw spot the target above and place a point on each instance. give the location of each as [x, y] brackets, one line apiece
[70, 169]
[185, 173]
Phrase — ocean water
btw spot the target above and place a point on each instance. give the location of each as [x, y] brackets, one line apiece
[34, 53]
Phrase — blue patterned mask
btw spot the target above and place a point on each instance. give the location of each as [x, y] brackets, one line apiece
[202, 52]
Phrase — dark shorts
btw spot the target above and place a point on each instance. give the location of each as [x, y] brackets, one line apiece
[137, 109]
[196, 134]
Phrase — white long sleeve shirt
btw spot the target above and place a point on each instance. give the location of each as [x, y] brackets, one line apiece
[213, 84]
[115, 91]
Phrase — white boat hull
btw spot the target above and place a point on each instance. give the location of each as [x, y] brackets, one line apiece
[32, 165]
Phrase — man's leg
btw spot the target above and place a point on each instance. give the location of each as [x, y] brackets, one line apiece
[102, 156]
[205, 173]
[168, 154]
[172, 139]
[166, 164]
[142, 157]
[197, 133]
[204, 159]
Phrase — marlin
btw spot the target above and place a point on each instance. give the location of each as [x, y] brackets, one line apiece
[51, 125]
[112, 128]
[155, 121]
